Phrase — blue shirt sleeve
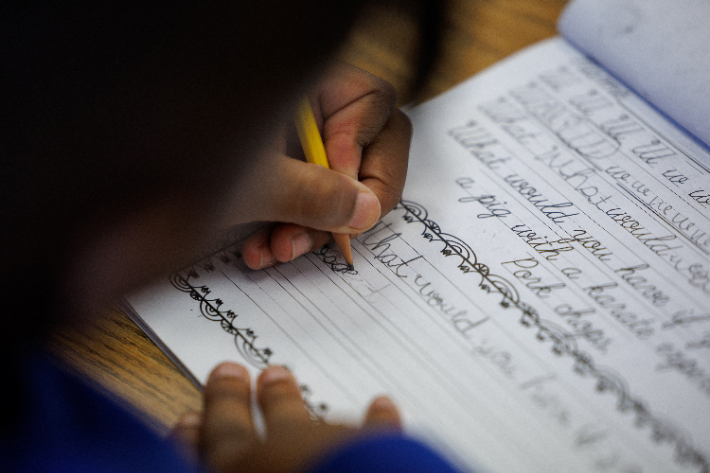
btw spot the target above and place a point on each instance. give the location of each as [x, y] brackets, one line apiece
[384, 453]
[66, 426]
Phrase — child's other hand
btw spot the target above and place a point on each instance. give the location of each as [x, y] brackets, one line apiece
[367, 142]
[224, 436]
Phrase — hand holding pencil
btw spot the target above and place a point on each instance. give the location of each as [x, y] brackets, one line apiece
[314, 150]
[366, 139]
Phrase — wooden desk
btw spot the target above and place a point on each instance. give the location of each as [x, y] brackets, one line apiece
[116, 356]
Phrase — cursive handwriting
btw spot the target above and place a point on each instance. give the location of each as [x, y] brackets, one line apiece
[334, 260]
[379, 241]
[653, 152]
[481, 144]
[433, 298]
[574, 130]
[489, 202]
[675, 177]
[552, 211]
[641, 284]
[685, 317]
[591, 244]
[563, 343]
[701, 343]
[550, 249]
[522, 270]
[601, 294]
[584, 328]
[679, 361]
[700, 196]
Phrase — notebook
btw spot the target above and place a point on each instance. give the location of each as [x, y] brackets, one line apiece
[539, 301]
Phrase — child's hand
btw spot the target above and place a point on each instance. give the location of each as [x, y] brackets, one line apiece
[367, 142]
[224, 437]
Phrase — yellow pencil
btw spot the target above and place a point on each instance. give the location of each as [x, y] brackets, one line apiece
[314, 150]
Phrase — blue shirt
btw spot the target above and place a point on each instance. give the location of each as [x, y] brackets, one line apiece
[66, 426]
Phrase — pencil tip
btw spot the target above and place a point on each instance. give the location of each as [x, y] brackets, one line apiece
[350, 267]
[343, 241]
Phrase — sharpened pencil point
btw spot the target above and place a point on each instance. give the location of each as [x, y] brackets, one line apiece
[343, 241]
[314, 150]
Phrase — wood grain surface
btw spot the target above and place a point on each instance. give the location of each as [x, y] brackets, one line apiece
[115, 356]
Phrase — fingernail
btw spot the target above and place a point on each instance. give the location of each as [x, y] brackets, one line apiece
[230, 370]
[266, 259]
[190, 420]
[367, 211]
[383, 403]
[274, 374]
[300, 244]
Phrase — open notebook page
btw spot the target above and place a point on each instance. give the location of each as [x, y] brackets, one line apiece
[658, 47]
[537, 303]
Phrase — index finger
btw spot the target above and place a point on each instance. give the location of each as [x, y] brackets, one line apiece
[227, 427]
[355, 106]
[280, 399]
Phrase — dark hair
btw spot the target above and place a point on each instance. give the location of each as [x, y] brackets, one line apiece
[108, 104]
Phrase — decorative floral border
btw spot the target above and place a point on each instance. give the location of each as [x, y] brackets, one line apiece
[563, 342]
[244, 338]
[211, 309]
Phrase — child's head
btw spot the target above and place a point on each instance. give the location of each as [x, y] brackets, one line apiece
[125, 123]
[125, 119]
